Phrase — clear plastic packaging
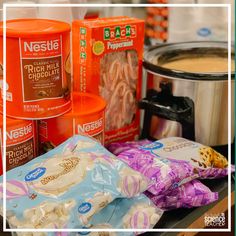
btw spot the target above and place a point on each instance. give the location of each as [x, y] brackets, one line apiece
[67, 186]
[119, 147]
[133, 213]
[188, 195]
[165, 174]
[207, 163]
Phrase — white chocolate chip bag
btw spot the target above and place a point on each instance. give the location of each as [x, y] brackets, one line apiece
[67, 186]
[133, 213]
[123, 213]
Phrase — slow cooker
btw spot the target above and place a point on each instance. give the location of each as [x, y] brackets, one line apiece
[187, 92]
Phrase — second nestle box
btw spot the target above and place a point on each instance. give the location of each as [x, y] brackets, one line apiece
[107, 61]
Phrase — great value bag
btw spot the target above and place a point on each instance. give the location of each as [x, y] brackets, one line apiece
[205, 160]
[67, 186]
[123, 213]
[133, 213]
[188, 195]
[165, 174]
[119, 147]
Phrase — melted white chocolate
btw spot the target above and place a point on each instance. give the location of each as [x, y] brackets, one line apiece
[200, 65]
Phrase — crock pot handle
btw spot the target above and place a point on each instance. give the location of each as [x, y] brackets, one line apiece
[151, 107]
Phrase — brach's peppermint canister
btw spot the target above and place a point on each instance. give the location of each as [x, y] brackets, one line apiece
[21, 142]
[86, 116]
[38, 68]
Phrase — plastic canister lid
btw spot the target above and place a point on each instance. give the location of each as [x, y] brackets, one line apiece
[33, 27]
[86, 104]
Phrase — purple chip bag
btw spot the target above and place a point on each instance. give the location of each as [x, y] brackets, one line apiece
[165, 174]
[214, 173]
[188, 195]
[119, 147]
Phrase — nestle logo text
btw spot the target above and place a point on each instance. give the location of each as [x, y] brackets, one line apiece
[85, 128]
[20, 132]
[43, 46]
